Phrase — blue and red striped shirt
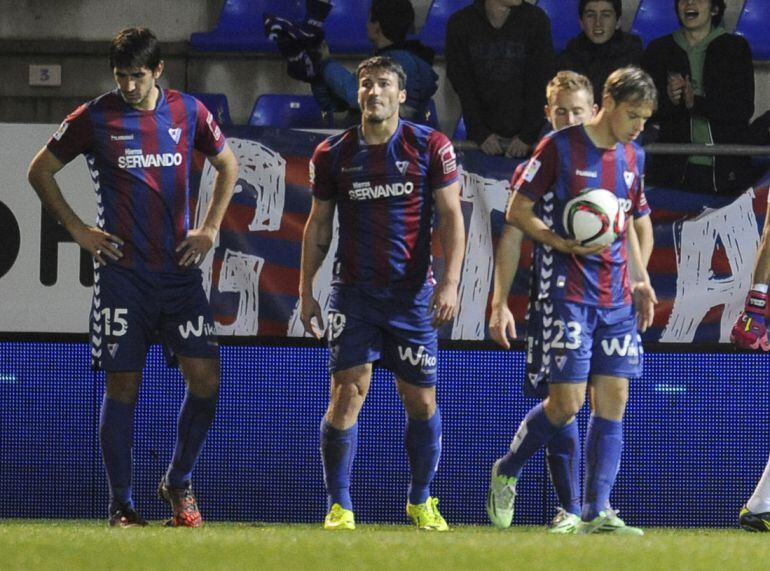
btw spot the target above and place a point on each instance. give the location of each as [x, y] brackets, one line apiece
[565, 163]
[385, 203]
[140, 163]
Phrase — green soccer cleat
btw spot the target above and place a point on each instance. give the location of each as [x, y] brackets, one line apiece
[426, 515]
[607, 522]
[500, 498]
[564, 523]
[754, 522]
[339, 518]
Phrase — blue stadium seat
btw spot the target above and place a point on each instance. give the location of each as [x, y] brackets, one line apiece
[345, 28]
[654, 18]
[565, 23]
[754, 25]
[287, 111]
[217, 104]
[460, 133]
[433, 31]
[240, 27]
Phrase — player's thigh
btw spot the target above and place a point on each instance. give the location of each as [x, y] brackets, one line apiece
[124, 310]
[202, 375]
[410, 342]
[186, 323]
[419, 401]
[617, 345]
[354, 333]
[609, 395]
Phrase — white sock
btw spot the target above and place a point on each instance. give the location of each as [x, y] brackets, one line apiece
[760, 500]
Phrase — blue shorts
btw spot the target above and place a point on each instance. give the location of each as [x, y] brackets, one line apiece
[387, 326]
[567, 342]
[131, 310]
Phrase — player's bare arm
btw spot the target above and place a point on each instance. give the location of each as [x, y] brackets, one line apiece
[451, 231]
[501, 323]
[200, 240]
[521, 214]
[316, 241]
[42, 176]
[640, 243]
[762, 266]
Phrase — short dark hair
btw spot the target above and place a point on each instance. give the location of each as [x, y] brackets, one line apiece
[395, 17]
[631, 84]
[716, 19]
[384, 63]
[617, 5]
[135, 48]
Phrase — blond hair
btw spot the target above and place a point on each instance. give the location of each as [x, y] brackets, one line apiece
[568, 81]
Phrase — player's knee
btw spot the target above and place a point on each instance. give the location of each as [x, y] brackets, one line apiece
[561, 409]
[347, 394]
[420, 409]
[122, 388]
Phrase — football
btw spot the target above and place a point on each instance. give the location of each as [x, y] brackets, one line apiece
[594, 217]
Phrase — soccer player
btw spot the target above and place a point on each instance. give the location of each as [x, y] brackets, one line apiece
[386, 178]
[750, 332]
[584, 308]
[138, 141]
[570, 100]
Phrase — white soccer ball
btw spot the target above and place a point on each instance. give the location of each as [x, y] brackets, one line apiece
[594, 217]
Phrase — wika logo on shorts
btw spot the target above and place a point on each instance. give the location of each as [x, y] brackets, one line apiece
[421, 357]
[627, 349]
[202, 328]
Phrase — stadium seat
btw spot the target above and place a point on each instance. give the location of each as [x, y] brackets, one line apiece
[565, 23]
[753, 24]
[460, 133]
[433, 31]
[240, 27]
[287, 112]
[654, 18]
[217, 104]
[345, 28]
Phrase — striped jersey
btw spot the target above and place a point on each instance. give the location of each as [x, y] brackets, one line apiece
[565, 163]
[140, 163]
[385, 204]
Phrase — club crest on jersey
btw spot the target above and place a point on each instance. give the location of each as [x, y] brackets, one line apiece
[531, 170]
[629, 178]
[175, 133]
[112, 348]
[402, 166]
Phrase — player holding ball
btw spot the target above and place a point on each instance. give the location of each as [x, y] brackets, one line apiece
[586, 309]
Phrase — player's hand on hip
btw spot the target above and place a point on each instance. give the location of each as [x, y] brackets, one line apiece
[195, 246]
[491, 145]
[100, 244]
[517, 148]
[502, 326]
[311, 316]
[443, 303]
[644, 304]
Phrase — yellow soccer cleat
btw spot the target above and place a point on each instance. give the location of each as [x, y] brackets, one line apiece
[426, 515]
[339, 518]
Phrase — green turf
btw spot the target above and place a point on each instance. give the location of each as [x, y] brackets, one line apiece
[45, 544]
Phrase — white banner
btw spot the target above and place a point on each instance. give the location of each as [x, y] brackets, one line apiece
[26, 304]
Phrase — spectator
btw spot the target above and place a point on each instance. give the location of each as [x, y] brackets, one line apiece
[706, 80]
[602, 47]
[499, 58]
[334, 87]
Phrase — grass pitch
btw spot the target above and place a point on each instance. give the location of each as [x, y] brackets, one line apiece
[48, 544]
